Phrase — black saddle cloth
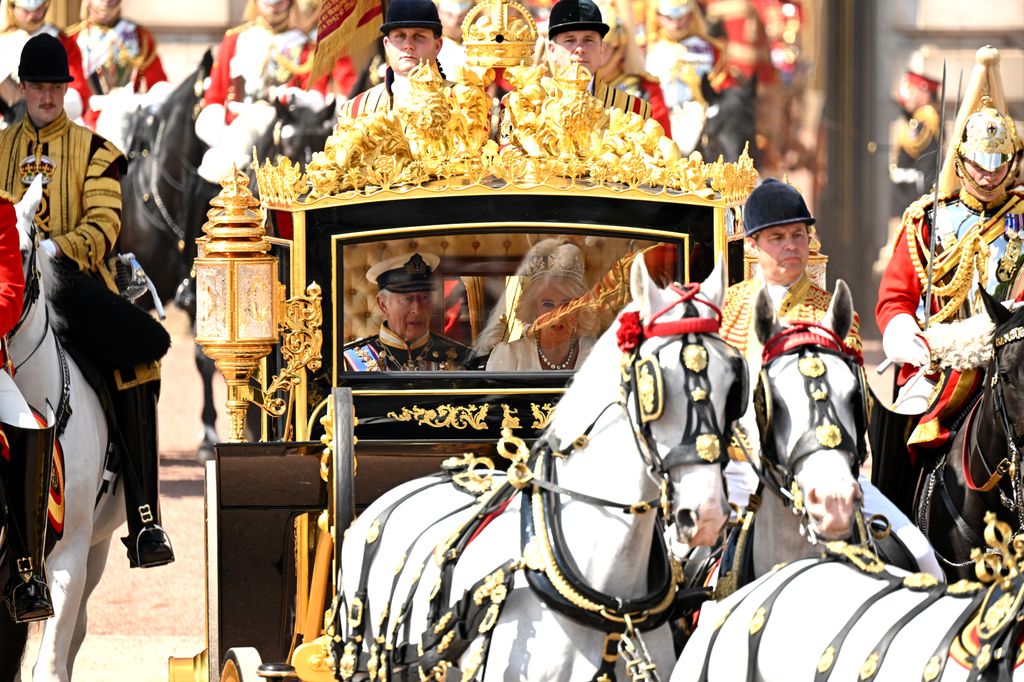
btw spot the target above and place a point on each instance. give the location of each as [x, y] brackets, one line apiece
[110, 331]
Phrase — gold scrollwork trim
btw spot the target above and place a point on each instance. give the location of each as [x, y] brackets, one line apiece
[301, 344]
[446, 416]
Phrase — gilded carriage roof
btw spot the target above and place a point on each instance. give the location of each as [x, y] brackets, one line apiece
[554, 136]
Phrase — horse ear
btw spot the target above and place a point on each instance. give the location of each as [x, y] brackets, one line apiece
[714, 287]
[646, 292]
[766, 322]
[998, 313]
[25, 210]
[839, 316]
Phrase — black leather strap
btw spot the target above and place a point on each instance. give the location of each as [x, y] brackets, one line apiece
[882, 647]
[937, 661]
[835, 647]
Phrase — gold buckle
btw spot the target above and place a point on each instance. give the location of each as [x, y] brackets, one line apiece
[146, 514]
[24, 564]
[610, 649]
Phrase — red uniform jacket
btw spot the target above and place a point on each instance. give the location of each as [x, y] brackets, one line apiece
[12, 279]
[222, 90]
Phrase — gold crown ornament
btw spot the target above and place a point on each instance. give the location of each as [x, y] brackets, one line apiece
[499, 33]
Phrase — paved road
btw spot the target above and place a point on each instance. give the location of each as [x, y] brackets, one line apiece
[137, 618]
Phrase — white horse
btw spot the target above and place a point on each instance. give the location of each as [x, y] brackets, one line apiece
[846, 617]
[811, 411]
[46, 374]
[607, 536]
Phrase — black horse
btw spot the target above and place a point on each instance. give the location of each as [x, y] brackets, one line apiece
[731, 121]
[982, 470]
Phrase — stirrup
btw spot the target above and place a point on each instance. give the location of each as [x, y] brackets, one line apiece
[161, 550]
[31, 607]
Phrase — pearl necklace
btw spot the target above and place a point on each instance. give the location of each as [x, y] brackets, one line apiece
[565, 364]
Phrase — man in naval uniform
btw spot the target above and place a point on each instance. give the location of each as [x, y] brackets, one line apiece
[777, 224]
[19, 21]
[412, 34]
[79, 220]
[116, 53]
[26, 451]
[405, 341]
[263, 60]
[978, 238]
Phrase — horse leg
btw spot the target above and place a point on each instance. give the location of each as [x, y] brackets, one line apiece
[94, 571]
[209, 415]
[13, 638]
[67, 585]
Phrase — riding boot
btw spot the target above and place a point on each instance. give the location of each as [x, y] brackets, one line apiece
[27, 497]
[147, 543]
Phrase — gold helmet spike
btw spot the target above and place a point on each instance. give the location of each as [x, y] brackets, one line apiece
[985, 81]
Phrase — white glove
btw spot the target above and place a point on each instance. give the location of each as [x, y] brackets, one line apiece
[210, 123]
[48, 247]
[902, 342]
[73, 105]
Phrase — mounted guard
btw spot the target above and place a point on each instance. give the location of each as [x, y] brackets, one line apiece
[78, 221]
[263, 60]
[946, 250]
[118, 55]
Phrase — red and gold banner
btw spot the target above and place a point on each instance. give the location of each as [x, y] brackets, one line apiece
[345, 25]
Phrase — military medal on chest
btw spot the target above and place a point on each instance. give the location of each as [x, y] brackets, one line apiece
[1009, 264]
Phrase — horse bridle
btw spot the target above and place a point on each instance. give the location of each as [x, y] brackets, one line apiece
[62, 412]
[824, 430]
[642, 384]
[1014, 438]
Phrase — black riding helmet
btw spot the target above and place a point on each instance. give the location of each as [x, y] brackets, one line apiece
[44, 60]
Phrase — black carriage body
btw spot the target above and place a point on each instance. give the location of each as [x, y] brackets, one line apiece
[407, 422]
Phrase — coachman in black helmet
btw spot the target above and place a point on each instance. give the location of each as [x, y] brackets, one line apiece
[79, 221]
[412, 35]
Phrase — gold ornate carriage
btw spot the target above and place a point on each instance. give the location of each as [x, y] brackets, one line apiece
[291, 268]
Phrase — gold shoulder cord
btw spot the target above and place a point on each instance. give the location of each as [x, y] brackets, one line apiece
[973, 258]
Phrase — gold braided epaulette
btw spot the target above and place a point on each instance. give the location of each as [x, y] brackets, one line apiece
[916, 210]
[4, 194]
[75, 29]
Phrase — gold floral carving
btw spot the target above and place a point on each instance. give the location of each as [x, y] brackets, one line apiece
[542, 415]
[446, 416]
[553, 133]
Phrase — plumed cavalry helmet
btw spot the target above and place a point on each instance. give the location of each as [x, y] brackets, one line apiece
[990, 139]
[44, 60]
[774, 203]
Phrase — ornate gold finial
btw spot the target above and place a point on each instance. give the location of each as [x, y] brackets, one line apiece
[499, 33]
[281, 184]
[1004, 555]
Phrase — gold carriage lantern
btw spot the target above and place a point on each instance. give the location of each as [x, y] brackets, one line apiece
[235, 281]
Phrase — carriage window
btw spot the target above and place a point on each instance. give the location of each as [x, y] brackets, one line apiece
[496, 302]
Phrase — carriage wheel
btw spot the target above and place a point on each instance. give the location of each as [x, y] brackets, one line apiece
[240, 665]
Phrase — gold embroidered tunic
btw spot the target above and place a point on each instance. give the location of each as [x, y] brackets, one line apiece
[81, 206]
[803, 301]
